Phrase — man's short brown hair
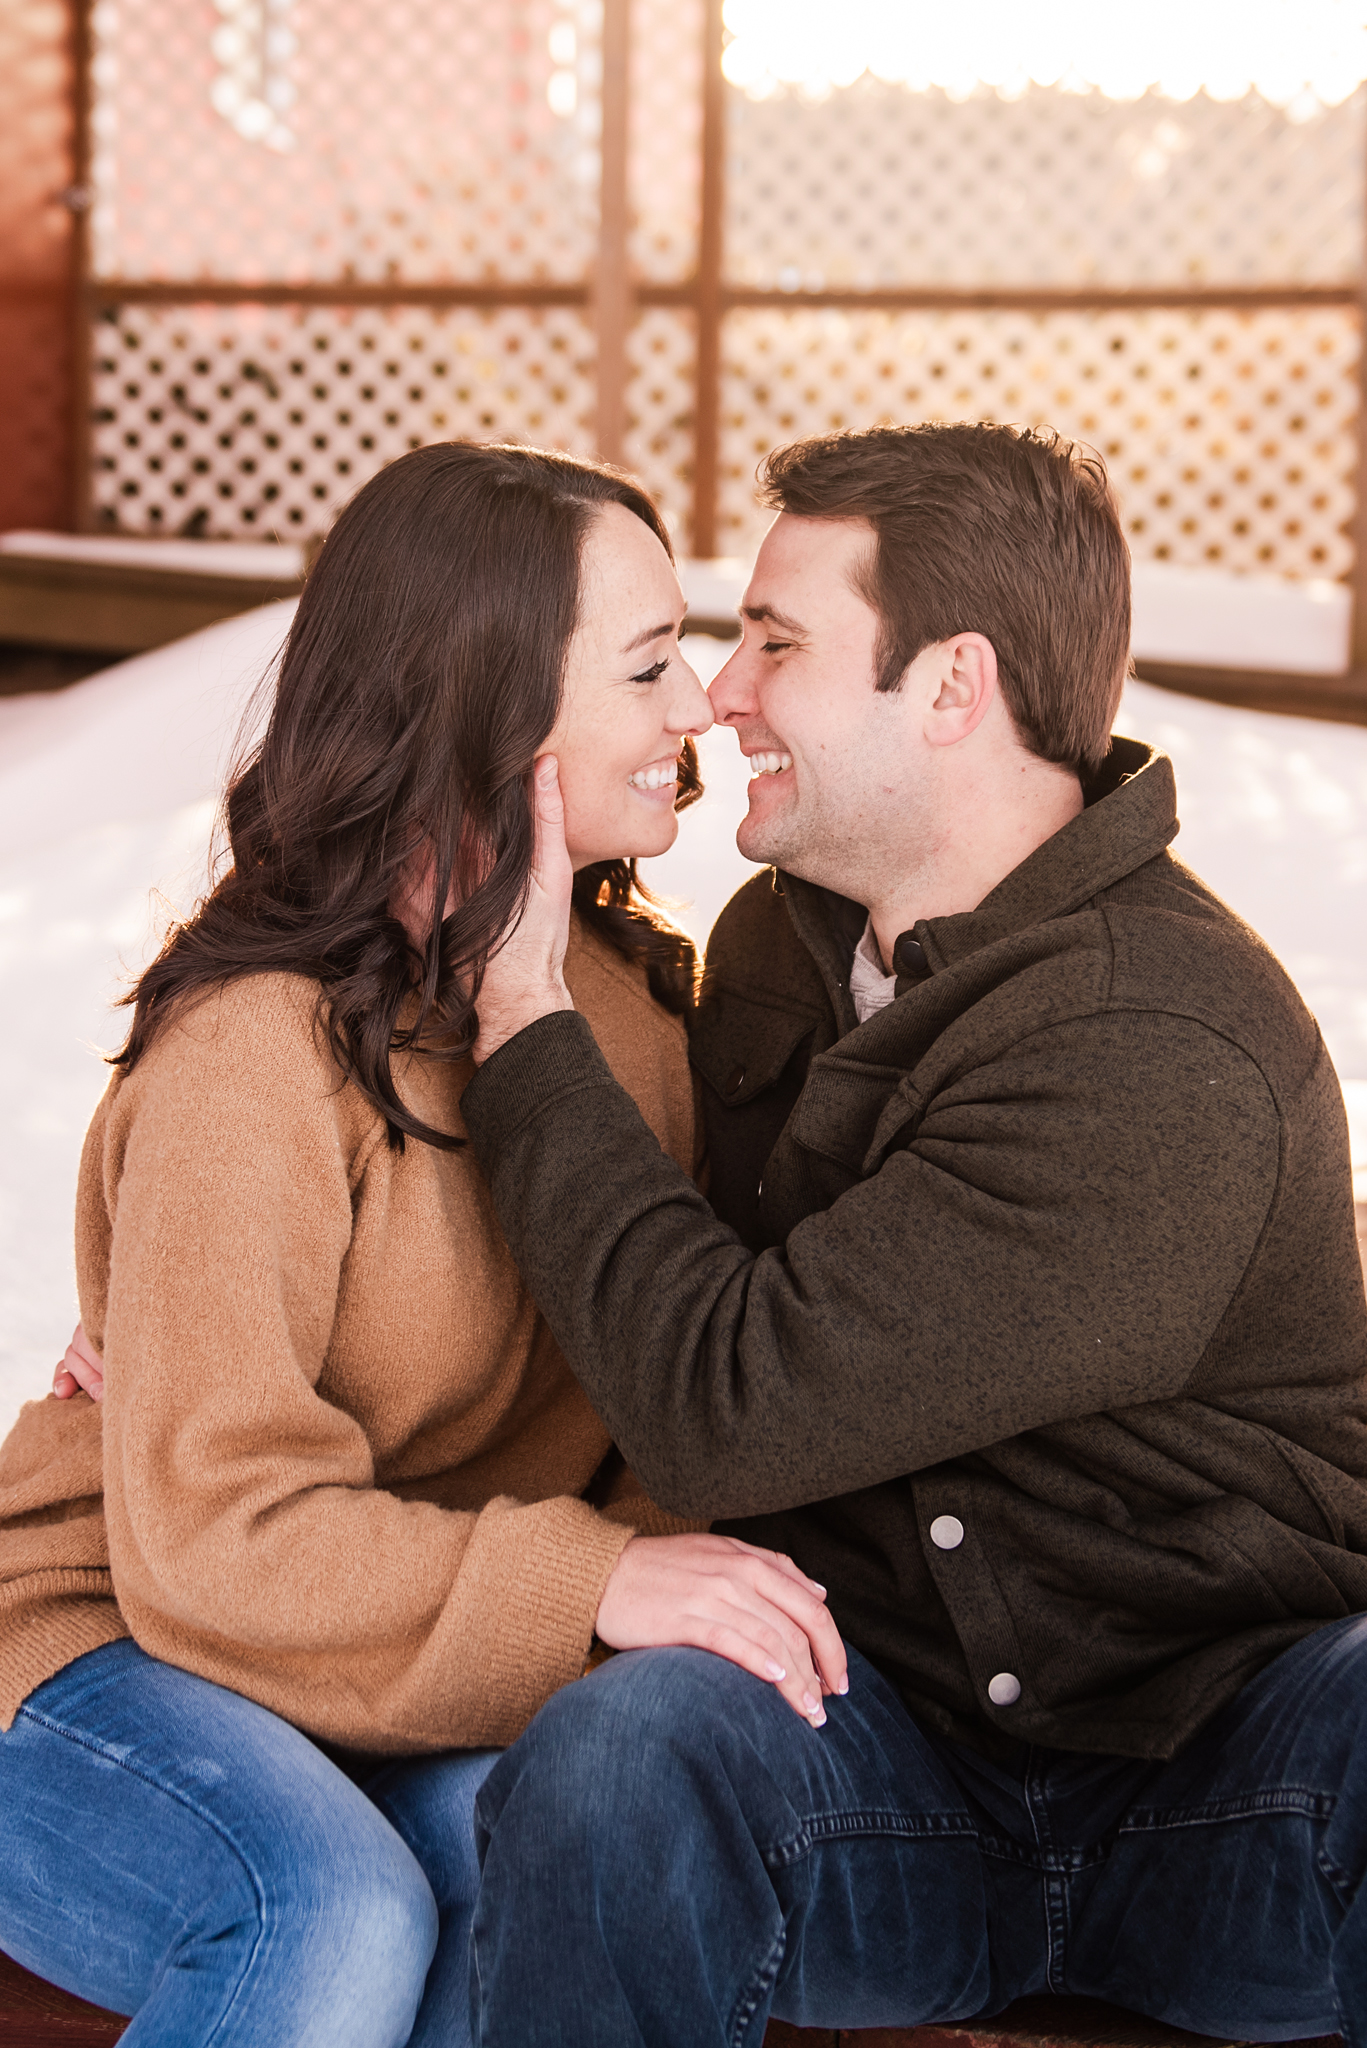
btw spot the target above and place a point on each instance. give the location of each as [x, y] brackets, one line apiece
[1003, 531]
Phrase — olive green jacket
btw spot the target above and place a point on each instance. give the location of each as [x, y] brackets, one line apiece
[1057, 1249]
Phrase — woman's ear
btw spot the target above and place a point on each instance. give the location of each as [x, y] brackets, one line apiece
[966, 668]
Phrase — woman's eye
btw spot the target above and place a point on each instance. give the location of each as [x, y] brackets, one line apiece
[652, 674]
[775, 646]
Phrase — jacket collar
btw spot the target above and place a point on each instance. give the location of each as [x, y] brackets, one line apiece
[1130, 816]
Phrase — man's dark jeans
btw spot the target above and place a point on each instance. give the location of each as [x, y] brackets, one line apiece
[670, 1855]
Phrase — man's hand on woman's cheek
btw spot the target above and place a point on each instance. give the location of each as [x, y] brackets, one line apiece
[525, 978]
[753, 1607]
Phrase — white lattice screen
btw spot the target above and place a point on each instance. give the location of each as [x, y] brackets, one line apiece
[390, 148]
[242, 419]
[1229, 436]
[662, 353]
[424, 145]
[877, 185]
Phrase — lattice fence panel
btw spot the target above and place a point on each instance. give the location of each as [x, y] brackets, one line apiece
[423, 140]
[665, 138]
[661, 351]
[249, 420]
[1229, 435]
[880, 185]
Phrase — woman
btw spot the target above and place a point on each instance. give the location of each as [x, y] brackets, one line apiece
[343, 1520]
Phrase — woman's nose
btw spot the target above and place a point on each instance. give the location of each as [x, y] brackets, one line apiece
[691, 711]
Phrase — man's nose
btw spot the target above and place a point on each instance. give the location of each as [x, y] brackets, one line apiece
[731, 692]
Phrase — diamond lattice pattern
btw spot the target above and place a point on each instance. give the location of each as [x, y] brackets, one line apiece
[1229, 436]
[665, 137]
[659, 438]
[878, 185]
[433, 141]
[241, 420]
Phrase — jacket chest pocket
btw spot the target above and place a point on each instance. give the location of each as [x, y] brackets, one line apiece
[855, 1114]
[742, 1048]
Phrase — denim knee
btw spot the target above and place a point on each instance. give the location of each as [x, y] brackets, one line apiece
[672, 1700]
[355, 1929]
[381, 1947]
[605, 1754]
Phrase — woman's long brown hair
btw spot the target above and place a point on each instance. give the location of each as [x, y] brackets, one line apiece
[421, 677]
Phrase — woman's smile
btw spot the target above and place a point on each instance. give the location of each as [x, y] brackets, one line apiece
[658, 781]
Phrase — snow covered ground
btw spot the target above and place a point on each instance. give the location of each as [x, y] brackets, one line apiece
[107, 795]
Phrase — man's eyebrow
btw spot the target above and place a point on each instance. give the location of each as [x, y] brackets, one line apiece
[668, 629]
[760, 612]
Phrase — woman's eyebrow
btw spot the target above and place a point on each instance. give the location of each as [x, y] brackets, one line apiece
[668, 629]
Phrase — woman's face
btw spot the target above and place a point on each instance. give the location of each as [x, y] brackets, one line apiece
[630, 697]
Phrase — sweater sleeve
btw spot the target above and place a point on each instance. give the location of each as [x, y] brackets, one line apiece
[248, 1539]
[1045, 1247]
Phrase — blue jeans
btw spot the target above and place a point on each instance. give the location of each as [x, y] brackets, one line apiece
[669, 1855]
[171, 1850]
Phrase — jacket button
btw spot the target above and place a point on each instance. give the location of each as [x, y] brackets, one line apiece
[734, 1080]
[946, 1532]
[1004, 1690]
[908, 956]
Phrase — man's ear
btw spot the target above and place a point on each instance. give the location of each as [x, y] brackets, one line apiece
[966, 669]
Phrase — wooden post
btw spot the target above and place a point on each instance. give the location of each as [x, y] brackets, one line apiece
[707, 375]
[80, 199]
[612, 285]
[1357, 644]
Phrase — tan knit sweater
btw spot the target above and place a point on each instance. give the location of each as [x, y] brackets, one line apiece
[338, 1461]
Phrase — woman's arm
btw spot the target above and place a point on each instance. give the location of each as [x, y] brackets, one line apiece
[249, 1540]
[754, 1606]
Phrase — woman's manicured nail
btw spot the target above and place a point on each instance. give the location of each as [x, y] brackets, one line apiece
[812, 1707]
[818, 1719]
[775, 1671]
[844, 1685]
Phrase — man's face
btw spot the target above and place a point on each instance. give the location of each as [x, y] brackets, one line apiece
[841, 770]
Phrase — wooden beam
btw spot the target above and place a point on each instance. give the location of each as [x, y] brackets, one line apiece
[1357, 641]
[708, 296]
[118, 607]
[1009, 298]
[612, 282]
[1341, 698]
[102, 293]
[80, 199]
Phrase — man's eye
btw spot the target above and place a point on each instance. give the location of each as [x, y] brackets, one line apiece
[652, 674]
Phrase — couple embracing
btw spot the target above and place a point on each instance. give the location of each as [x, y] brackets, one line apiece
[931, 1356]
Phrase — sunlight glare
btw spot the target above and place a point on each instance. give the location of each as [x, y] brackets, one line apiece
[1298, 54]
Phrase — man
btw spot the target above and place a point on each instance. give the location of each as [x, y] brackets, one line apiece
[1026, 1315]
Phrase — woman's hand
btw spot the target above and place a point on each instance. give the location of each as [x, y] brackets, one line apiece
[81, 1367]
[525, 978]
[715, 1593]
